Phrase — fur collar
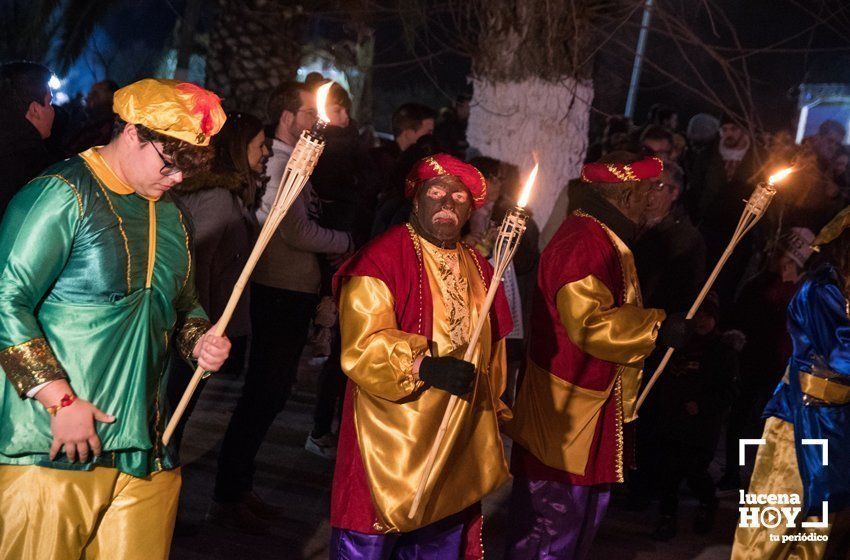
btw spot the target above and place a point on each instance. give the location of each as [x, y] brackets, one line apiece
[208, 180]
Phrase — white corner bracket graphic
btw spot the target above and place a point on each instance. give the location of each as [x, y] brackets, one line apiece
[823, 523]
[824, 443]
[742, 448]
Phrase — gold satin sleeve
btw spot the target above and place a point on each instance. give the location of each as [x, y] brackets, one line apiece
[376, 355]
[623, 335]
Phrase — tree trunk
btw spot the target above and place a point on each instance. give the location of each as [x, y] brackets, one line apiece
[360, 81]
[532, 92]
[254, 46]
[511, 120]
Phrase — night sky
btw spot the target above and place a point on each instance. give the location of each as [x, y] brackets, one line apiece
[143, 27]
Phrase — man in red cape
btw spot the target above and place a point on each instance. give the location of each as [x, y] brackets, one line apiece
[589, 338]
[408, 303]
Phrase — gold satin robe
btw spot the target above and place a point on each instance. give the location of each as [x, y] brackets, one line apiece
[397, 417]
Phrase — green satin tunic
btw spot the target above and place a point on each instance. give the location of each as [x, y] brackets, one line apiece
[94, 280]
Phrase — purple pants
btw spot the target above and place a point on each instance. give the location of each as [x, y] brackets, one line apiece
[554, 520]
[438, 541]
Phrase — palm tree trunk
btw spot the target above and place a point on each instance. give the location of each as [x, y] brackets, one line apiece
[255, 45]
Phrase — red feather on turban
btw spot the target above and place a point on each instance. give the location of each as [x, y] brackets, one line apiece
[647, 168]
[442, 165]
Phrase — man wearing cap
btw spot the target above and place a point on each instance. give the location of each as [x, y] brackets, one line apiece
[95, 277]
[408, 301]
[590, 336]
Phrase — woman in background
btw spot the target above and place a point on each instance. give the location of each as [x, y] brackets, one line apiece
[221, 204]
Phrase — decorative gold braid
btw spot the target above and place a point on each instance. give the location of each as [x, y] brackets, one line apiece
[30, 364]
[617, 172]
[67, 182]
[435, 165]
[618, 390]
[471, 252]
[120, 225]
[481, 537]
[420, 265]
[618, 417]
[188, 251]
[483, 195]
[193, 329]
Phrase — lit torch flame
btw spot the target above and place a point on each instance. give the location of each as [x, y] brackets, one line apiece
[778, 176]
[321, 102]
[526, 190]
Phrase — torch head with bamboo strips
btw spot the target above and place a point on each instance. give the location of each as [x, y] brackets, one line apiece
[764, 193]
[510, 233]
[310, 145]
[513, 225]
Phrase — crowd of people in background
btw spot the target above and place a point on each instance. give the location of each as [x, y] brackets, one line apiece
[723, 378]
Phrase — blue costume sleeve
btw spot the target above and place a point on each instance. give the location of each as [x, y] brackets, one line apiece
[820, 331]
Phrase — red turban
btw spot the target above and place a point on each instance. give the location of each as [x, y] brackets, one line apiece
[647, 168]
[442, 165]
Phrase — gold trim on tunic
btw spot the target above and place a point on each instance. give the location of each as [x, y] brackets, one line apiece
[30, 364]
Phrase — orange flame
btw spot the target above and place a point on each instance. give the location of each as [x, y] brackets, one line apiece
[321, 102]
[779, 175]
[526, 190]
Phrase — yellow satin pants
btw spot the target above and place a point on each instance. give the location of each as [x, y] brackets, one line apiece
[103, 514]
[776, 472]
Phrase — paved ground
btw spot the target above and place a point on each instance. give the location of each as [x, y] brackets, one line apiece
[290, 476]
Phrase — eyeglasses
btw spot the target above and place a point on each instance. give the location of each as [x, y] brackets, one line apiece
[312, 113]
[168, 168]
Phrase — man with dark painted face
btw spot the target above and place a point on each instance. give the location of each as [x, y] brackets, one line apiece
[408, 302]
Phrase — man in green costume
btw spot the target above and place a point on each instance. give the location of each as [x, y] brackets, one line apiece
[95, 277]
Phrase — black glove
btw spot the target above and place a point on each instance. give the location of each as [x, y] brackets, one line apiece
[675, 331]
[449, 374]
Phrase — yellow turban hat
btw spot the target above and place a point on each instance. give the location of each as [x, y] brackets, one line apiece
[180, 110]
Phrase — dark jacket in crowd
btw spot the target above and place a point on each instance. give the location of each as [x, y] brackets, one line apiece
[224, 233]
[93, 132]
[705, 373]
[760, 313]
[713, 201]
[670, 260]
[715, 204]
[450, 131]
[393, 206]
[23, 155]
[342, 182]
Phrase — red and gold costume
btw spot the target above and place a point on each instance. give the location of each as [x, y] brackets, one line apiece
[402, 297]
[589, 338]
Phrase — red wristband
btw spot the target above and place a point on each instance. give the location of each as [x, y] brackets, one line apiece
[67, 400]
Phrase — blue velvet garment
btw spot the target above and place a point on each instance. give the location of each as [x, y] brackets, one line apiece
[820, 331]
